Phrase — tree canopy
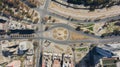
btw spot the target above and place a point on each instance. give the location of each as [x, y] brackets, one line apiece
[88, 2]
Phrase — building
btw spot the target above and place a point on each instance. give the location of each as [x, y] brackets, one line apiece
[56, 63]
[22, 31]
[103, 52]
[3, 59]
[2, 21]
[14, 63]
[67, 61]
[47, 60]
[110, 62]
[56, 60]
[25, 46]
[2, 26]
[109, 50]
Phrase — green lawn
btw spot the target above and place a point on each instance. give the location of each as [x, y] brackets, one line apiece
[81, 49]
[90, 28]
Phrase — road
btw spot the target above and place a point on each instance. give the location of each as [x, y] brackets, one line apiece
[40, 25]
[71, 29]
[106, 40]
[44, 11]
[47, 12]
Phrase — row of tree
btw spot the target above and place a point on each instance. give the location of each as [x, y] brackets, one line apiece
[94, 4]
[88, 2]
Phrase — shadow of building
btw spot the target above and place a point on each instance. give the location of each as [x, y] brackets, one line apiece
[92, 58]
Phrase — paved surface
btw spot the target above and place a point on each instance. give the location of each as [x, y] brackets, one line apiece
[40, 50]
[44, 11]
[74, 20]
[106, 40]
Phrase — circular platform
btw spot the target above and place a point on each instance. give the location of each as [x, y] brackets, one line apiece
[60, 33]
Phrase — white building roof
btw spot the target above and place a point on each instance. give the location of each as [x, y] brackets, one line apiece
[25, 45]
[111, 47]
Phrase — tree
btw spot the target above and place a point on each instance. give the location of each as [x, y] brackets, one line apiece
[78, 28]
[35, 44]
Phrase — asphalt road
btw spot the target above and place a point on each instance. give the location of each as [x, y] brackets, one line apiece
[44, 11]
[106, 40]
[47, 12]
[40, 25]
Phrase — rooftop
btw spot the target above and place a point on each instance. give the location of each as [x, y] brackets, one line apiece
[15, 63]
[25, 45]
[3, 59]
[110, 62]
[2, 21]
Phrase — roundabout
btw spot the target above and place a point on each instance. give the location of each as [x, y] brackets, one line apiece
[60, 33]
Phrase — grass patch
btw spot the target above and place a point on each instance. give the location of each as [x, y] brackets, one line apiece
[81, 49]
[90, 28]
[88, 25]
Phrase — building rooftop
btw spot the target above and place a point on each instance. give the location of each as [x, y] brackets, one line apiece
[25, 45]
[110, 62]
[1, 26]
[110, 47]
[3, 59]
[22, 31]
[2, 32]
[15, 63]
[56, 63]
[2, 21]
